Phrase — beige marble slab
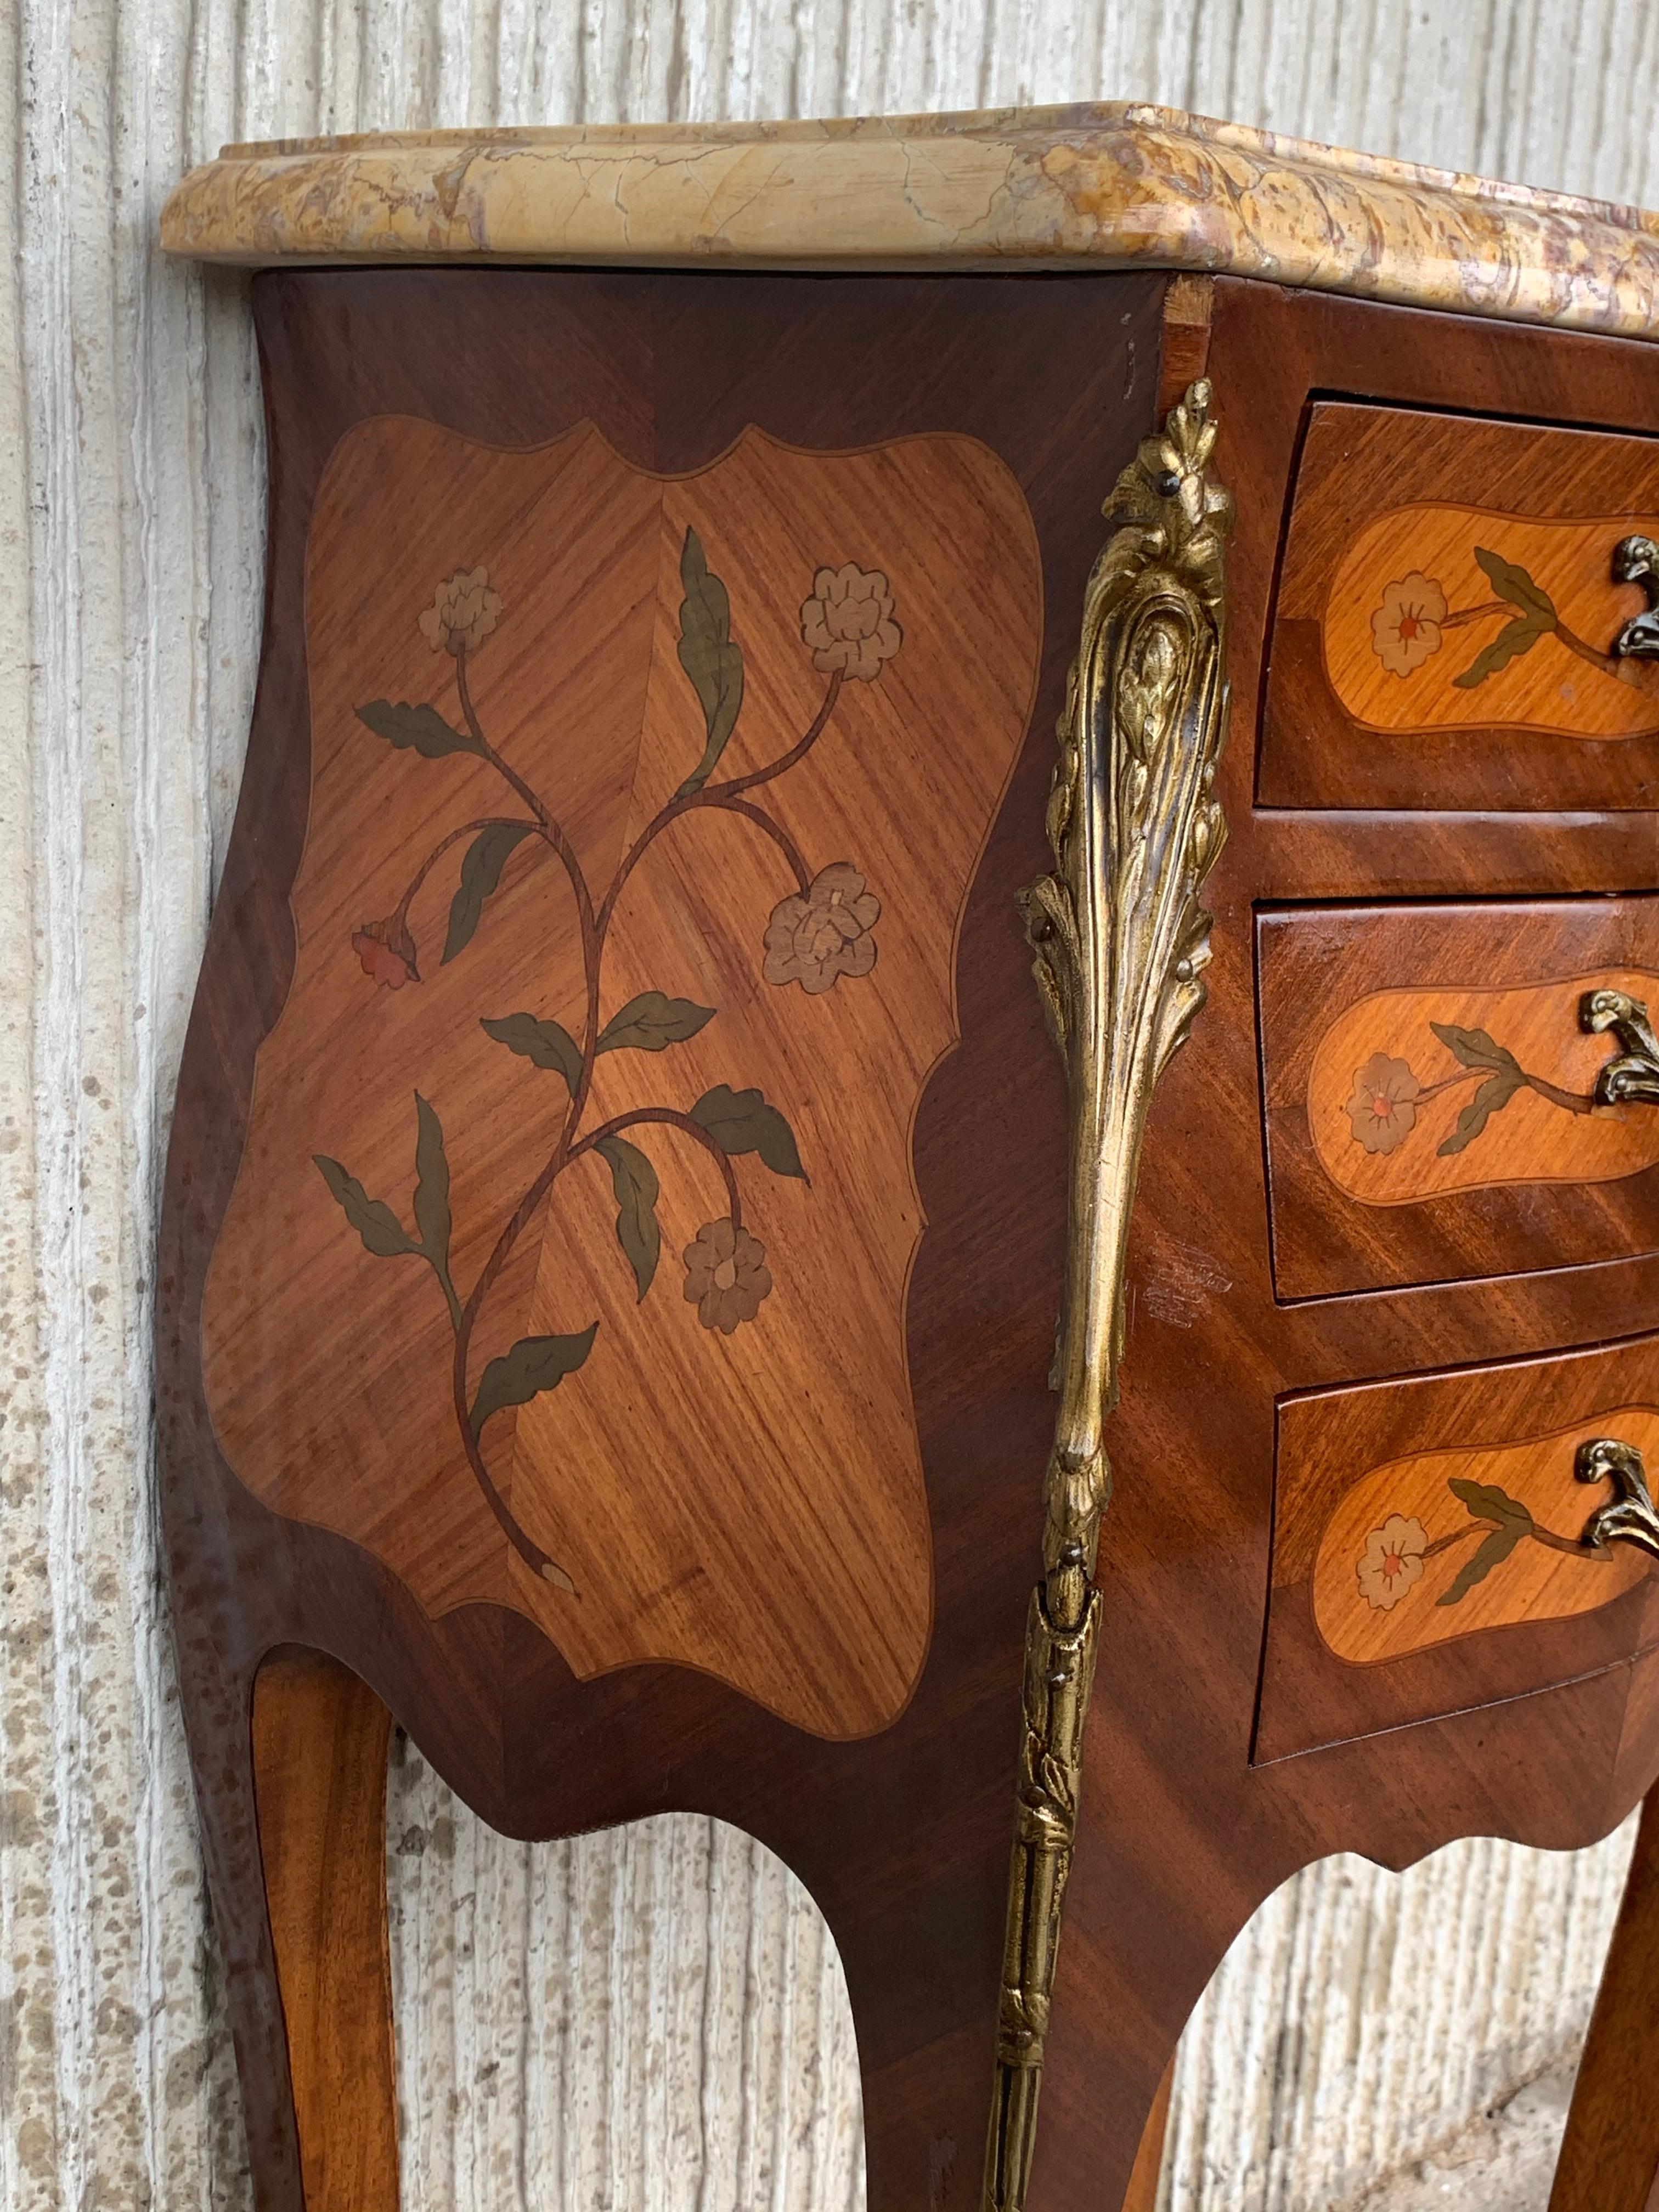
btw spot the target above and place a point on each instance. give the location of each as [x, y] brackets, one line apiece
[1102, 187]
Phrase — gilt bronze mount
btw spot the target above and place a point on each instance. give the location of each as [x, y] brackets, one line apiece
[1121, 940]
[1632, 1077]
[1636, 560]
[1628, 1517]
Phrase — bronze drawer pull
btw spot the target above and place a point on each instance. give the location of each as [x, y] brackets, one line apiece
[1636, 560]
[1628, 1518]
[1632, 1078]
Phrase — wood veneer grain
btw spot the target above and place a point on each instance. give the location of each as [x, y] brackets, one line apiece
[730, 1480]
[1377, 1022]
[902, 1837]
[1387, 1137]
[1180, 1836]
[1142, 2193]
[1387, 596]
[1367, 1568]
[1347, 1459]
[1609, 2160]
[321, 1738]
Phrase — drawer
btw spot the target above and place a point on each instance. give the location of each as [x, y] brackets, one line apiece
[1446, 614]
[1427, 1550]
[1428, 1090]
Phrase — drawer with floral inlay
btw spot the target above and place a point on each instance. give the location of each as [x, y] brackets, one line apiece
[1458, 1538]
[1454, 1091]
[1464, 617]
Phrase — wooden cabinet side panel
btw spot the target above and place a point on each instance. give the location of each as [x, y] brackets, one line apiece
[902, 1836]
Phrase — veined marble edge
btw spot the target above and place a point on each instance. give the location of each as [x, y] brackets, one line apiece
[1037, 125]
[1100, 187]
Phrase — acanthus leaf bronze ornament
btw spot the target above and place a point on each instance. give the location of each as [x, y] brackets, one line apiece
[1632, 1077]
[1629, 1518]
[1636, 560]
[1122, 941]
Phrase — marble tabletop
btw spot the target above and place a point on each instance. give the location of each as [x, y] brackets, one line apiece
[1106, 186]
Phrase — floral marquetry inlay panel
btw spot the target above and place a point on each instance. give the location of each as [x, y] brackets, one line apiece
[1423, 1549]
[1456, 611]
[1415, 1092]
[1430, 1089]
[566, 1266]
[1456, 617]
[1429, 1547]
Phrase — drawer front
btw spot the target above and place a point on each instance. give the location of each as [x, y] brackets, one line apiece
[1428, 1551]
[1429, 1092]
[1449, 606]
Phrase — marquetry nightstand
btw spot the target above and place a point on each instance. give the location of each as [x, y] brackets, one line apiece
[622, 1189]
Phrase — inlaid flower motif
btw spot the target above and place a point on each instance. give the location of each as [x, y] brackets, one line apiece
[1392, 1562]
[726, 1275]
[816, 937]
[848, 622]
[1405, 627]
[387, 953]
[1383, 1107]
[463, 614]
[823, 931]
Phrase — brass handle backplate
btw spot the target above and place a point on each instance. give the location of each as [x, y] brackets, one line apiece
[1629, 1516]
[1632, 1077]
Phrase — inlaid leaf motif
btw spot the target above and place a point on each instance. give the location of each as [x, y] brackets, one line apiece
[649, 1021]
[634, 1180]
[1537, 619]
[1492, 1552]
[848, 625]
[742, 1121]
[1494, 1093]
[382, 1233]
[1474, 1048]
[431, 1185]
[543, 1041]
[709, 656]
[1515, 585]
[481, 872]
[1488, 1503]
[535, 1364]
[1513, 640]
[422, 729]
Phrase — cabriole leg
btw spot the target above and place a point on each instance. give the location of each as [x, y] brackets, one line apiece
[1610, 2155]
[320, 1739]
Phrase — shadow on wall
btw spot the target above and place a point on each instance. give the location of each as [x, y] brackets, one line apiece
[652, 2019]
[1373, 2037]
[655, 2020]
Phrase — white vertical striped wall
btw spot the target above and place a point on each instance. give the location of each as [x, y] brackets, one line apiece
[651, 2021]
